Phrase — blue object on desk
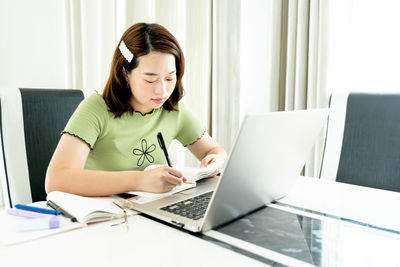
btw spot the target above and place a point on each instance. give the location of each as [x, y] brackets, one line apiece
[27, 214]
[36, 209]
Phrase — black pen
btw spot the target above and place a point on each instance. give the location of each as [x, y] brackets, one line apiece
[59, 209]
[162, 145]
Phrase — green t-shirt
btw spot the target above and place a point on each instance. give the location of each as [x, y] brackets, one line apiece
[130, 142]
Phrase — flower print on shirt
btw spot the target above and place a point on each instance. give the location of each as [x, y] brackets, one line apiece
[144, 153]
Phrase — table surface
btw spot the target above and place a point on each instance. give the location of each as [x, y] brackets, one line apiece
[363, 204]
[333, 224]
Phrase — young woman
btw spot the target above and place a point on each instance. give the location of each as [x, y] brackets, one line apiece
[111, 138]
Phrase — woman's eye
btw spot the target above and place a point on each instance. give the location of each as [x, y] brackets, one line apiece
[150, 81]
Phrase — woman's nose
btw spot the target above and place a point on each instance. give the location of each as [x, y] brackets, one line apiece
[160, 88]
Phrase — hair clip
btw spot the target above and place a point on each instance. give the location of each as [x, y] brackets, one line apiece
[128, 55]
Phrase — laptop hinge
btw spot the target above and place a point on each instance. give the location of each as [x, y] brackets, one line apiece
[181, 225]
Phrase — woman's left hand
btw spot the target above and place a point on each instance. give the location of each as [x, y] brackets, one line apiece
[209, 152]
[211, 158]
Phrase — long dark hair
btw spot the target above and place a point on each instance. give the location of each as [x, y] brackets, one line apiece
[141, 39]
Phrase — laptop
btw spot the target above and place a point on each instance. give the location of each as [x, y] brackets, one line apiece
[265, 162]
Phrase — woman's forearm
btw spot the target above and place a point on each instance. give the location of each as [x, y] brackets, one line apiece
[92, 182]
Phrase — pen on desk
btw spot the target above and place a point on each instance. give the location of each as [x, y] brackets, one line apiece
[27, 214]
[61, 210]
[162, 145]
[36, 209]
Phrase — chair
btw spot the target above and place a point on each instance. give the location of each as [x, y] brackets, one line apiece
[363, 140]
[30, 125]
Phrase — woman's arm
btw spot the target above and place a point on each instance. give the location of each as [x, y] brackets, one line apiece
[207, 150]
[66, 173]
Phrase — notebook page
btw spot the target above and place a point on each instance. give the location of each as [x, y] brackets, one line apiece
[154, 196]
[80, 206]
[193, 174]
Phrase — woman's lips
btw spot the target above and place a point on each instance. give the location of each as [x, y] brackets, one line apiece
[158, 100]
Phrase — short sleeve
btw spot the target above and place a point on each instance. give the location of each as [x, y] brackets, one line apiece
[190, 129]
[88, 119]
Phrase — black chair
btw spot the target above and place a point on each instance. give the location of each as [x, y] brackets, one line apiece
[30, 127]
[363, 140]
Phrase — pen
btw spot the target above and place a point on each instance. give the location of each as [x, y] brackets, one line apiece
[26, 214]
[36, 209]
[162, 145]
[60, 210]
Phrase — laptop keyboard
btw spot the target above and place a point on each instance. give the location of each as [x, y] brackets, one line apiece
[192, 208]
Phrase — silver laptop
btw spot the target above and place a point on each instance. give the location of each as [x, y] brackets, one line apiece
[268, 156]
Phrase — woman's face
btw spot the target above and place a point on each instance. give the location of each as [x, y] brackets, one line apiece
[152, 81]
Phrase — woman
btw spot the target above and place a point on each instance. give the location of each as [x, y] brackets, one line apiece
[111, 138]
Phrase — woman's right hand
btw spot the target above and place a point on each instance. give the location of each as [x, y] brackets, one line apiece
[161, 179]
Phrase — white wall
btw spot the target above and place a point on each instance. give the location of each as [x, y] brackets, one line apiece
[32, 44]
[362, 45]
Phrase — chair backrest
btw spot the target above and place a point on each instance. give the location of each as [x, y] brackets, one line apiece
[32, 121]
[363, 140]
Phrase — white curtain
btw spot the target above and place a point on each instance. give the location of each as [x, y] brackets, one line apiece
[304, 75]
[93, 29]
[266, 57]
[225, 96]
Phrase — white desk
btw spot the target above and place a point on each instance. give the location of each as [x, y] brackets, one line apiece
[148, 243]
[364, 204]
[151, 243]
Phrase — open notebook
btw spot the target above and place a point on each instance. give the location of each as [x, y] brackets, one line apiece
[87, 209]
[192, 175]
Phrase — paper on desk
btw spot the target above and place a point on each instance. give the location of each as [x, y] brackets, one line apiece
[191, 173]
[145, 197]
[9, 237]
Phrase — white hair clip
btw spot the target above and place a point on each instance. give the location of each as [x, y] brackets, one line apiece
[128, 55]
